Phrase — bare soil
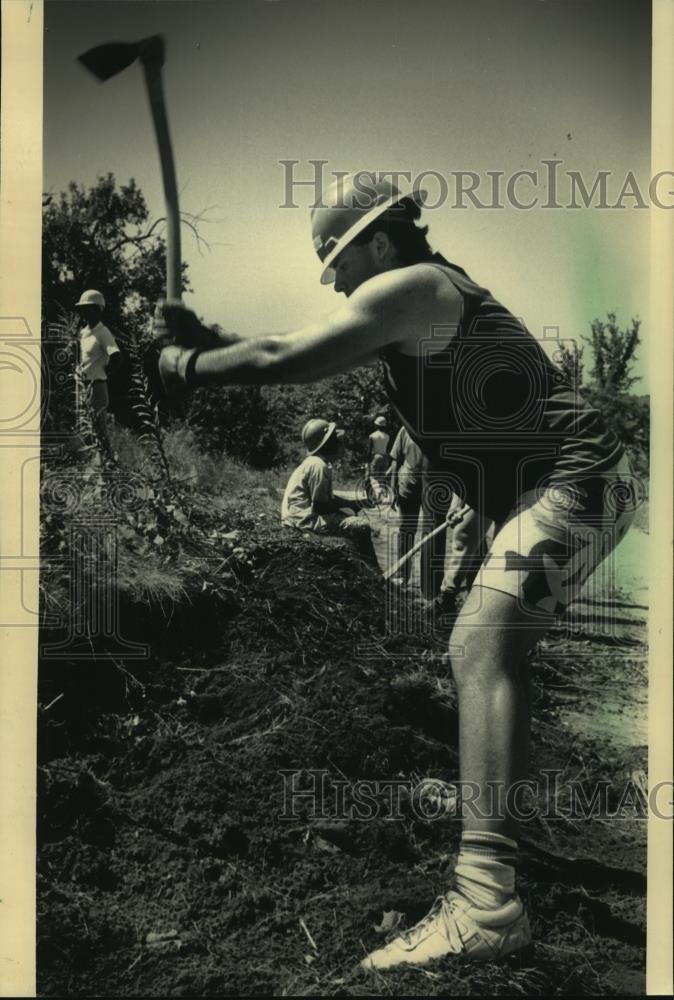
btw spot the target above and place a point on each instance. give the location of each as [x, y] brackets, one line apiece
[166, 867]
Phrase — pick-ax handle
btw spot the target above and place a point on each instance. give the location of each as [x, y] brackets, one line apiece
[152, 58]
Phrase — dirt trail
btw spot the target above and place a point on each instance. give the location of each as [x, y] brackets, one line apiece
[200, 831]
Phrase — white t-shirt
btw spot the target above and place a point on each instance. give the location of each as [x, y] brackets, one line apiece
[96, 346]
[310, 481]
[412, 464]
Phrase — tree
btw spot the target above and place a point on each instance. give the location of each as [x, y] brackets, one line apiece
[102, 238]
[613, 352]
[351, 399]
[570, 360]
[261, 424]
[609, 383]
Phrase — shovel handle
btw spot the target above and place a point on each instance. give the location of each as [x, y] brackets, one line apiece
[155, 90]
[393, 570]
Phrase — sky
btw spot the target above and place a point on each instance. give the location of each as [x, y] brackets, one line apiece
[429, 85]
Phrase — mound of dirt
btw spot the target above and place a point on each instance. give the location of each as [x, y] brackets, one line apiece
[235, 814]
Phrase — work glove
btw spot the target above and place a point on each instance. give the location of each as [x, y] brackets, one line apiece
[456, 514]
[174, 323]
[176, 368]
[115, 363]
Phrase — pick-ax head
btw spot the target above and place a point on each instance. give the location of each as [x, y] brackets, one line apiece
[110, 59]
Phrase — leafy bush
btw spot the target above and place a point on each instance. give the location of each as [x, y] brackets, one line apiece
[262, 425]
[236, 420]
[351, 399]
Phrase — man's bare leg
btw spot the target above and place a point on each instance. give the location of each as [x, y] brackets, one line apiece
[488, 646]
[482, 917]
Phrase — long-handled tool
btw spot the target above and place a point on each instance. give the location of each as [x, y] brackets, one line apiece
[108, 60]
[454, 516]
[394, 570]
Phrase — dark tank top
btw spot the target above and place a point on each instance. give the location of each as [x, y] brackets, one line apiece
[490, 409]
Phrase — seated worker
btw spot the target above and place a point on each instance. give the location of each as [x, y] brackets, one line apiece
[309, 502]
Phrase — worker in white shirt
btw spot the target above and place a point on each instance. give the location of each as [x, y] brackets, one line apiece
[378, 457]
[99, 353]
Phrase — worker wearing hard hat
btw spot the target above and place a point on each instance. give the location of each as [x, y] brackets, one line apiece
[379, 458]
[489, 408]
[309, 502]
[99, 353]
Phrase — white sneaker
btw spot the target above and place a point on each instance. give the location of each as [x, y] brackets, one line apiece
[456, 927]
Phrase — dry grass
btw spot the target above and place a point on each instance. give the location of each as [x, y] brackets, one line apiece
[219, 475]
[149, 581]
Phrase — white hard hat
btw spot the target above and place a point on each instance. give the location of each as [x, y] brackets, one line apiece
[91, 298]
[380, 421]
[346, 209]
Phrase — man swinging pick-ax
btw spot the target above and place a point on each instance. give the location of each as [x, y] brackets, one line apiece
[481, 398]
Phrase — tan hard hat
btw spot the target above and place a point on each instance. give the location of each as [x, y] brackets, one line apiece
[347, 207]
[91, 298]
[316, 432]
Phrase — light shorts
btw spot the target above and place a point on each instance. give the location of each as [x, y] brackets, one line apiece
[557, 535]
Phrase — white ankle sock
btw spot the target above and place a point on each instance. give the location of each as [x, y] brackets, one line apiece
[485, 869]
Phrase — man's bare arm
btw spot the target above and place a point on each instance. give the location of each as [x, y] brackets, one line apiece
[314, 352]
[383, 311]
